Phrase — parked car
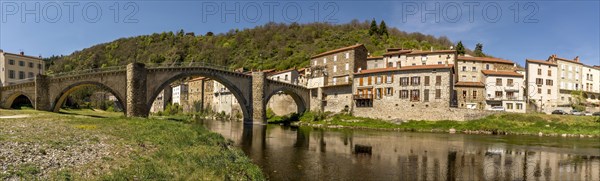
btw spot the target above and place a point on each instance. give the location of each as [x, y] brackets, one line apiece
[577, 113]
[587, 113]
[497, 108]
[561, 112]
[596, 114]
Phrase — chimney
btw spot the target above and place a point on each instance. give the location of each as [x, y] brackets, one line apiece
[577, 59]
[22, 53]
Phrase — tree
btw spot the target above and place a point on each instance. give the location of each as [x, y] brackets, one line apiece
[479, 50]
[460, 48]
[383, 28]
[578, 101]
[210, 33]
[373, 29]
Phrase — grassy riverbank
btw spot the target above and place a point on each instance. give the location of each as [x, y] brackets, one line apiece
[97, 145]
[505, 123]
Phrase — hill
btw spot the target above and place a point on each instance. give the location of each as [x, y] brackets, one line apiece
[272, 45]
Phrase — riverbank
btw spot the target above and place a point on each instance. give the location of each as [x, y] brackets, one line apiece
[98, 145]
[503, 123]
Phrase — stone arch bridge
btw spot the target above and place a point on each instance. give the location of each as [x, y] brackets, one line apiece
[136, 87]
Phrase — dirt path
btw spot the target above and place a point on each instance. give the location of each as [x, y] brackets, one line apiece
[15, 116]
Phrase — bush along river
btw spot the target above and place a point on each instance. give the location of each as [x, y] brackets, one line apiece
[307, 153]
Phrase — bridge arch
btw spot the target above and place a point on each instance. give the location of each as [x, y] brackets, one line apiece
[301, 103]
[222, 78]
[11, 99]
[61, 97]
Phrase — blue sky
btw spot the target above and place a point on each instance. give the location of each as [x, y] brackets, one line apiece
[537, 30]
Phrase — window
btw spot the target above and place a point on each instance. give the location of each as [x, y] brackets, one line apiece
[21, 63]
[30, 75]
[414, 95]
[335, 68]
[389, 91]
[347, 79]
[464, 68]
[487, 66]
[347, 55]
[539, 71]
[549, 91]
[11, 61]
[539, 81]
[369, 80]
[474, 78]
[474, 69]
[378, 93]
[40, 66]
[347, 66]
[334, 80]
[562, 75]
[474, 94]
[404, 81]
[498, 94]
[324, 60]
[426, 81]
[360, 81]
[21, 75]
[438, 93]
[11, 74]
[549, 72]
[464, 78]
[389, 79]
[404, 94]
[426, 95]
[335, 58]
[519, 106]
[539, 91]
[438, 80]
[464, 94]
[415, 80]
[549, 82]
[30, 64]
[509, 82]
[378, 79]
[509, 105]
[364, 103]
[315, 62]
[498, 82]
[286, 77]
[510, 95]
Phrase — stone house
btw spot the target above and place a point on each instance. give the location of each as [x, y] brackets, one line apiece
[375, 62]
[402, 58]
[506, 89]
[404, 92]
[330, 77]
[19, 67]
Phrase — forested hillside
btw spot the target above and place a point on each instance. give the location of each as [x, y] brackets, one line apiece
[272, 45]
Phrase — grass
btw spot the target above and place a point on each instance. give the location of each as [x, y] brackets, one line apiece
[505, 123]
[136, 149]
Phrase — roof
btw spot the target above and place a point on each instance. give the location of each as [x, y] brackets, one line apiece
[14, 54]
[397, 52]
[376, 57]
[338, 50]
[469, 84]
[567, 60]
[501, 73]
[415, 67]
[485, 59]
[540, 62]
[417, 52]
[283, 71]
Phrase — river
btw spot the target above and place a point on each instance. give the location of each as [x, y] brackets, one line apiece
[305, 153]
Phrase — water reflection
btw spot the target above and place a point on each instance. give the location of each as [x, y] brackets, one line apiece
[287, 153]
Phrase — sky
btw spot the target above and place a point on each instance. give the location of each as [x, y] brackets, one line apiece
[513, 30]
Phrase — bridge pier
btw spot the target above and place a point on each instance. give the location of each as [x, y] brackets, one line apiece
[42, 93]
[258, 98]
[136, 90]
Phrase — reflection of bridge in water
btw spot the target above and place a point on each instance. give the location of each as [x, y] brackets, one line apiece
[287, 153]
[136, 87]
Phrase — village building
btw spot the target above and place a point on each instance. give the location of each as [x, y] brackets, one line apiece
[330, 78]
[19, 67]
[505, 88]
[404, 92]
[542, 85]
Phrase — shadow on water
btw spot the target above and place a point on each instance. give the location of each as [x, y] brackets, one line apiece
[292, 153]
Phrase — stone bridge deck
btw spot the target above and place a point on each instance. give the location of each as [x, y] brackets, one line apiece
[137, 87]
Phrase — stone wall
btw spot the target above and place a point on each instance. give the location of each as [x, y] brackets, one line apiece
[42, 98]
[258, 97]
[337, 98]
[136, 90]
[420, 112]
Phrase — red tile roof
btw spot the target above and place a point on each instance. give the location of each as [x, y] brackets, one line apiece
[416, 67]
[417, 52]
[22, 55]
[376, 57]
[397, 52]
[541, 62]
[501, 73]
[469, 84]
[338, 50]
[485, 59]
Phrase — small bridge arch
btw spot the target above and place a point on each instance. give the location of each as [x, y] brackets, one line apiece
[59, 99]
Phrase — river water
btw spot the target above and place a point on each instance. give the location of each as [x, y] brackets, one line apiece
[305, 153]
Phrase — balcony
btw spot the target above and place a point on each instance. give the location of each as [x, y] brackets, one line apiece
[363, 96]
